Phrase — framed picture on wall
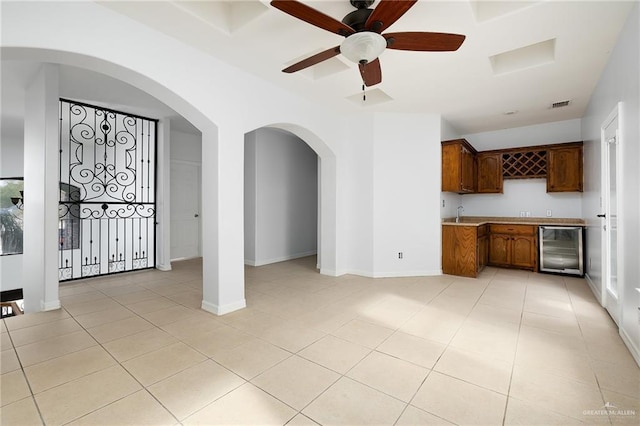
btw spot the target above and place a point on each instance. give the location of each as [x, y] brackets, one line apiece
[11, 215]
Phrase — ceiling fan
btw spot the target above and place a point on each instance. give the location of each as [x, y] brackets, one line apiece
[364, 40]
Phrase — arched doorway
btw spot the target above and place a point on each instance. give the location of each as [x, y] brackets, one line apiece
[281, 198]
[41, 282]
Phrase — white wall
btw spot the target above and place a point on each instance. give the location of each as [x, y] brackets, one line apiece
[525, 194]
[11, 165]
[250, 197]
[449, 201]
[528, 195]
[619, 83]
[186, 147]
[406, 194]
[358, 195]
[538, 134]
[283, 189]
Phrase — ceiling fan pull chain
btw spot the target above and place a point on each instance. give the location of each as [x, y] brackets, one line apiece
[364, 94]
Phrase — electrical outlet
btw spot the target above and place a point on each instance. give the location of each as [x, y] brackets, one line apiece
[400, 255]
[548, 212]
[521, 214]
[528, 214]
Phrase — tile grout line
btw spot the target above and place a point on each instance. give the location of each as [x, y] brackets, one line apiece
[515, 354]
[604, 401]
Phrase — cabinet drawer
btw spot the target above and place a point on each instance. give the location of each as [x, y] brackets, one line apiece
[483, 230]
[513, 229]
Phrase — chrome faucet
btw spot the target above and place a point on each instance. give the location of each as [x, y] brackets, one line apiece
[458, 213]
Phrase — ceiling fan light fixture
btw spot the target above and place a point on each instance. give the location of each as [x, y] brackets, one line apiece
[363, 46]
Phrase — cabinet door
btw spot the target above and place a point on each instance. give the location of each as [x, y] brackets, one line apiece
[499, 249]
[489, 173]
[459, 245]
[564, 169]
[483, 252]
[523, 251]
[451, 168]
[467, 182]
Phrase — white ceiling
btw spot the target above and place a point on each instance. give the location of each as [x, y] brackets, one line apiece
[567, 44]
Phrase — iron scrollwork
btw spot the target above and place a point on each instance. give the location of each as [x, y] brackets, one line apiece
[107, 181]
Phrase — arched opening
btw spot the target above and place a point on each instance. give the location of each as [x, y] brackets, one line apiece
[83, 78]
[281, 185]
[326, 195]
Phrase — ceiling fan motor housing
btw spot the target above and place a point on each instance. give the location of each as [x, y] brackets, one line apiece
[357, 18]
[361, 4]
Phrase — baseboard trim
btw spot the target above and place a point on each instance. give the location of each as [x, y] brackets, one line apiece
[366, 274]
[280, 259]
[50, 306]
[594, 289]
[330, 272]
[397, 274]
[635, 351]
[404, 274]
[226, 309]
[163, 268]
[180, 259]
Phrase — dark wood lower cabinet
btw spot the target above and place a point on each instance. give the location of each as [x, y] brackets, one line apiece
[513, 246]
[464, 249]
[523, 252]
[483, 246]
[500, 250]
[467, 249]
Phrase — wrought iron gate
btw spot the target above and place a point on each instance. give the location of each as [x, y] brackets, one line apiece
[107, 179]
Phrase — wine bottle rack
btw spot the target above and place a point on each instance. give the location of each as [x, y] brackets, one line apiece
[524, 164]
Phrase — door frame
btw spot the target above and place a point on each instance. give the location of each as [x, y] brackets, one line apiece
[612, 302]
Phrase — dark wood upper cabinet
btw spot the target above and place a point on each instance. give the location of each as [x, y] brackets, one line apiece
[489, 172]
[458, 166]
[465, 171]
[564, 168]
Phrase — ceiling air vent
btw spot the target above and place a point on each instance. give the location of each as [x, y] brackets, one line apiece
[560, 104]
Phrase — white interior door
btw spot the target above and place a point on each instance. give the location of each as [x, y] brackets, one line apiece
[185, 210]
[610, 202]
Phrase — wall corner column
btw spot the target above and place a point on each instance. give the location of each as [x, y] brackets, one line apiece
[163, 197]
[41, 190]
[223, 220]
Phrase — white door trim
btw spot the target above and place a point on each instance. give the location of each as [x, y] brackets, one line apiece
[612, 302]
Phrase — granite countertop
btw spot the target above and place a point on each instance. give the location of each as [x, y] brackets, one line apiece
[482, 220]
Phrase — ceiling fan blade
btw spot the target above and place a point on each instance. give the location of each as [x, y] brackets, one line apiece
[386, 13]
[424, 42]
[312, 60]
[312, 16]
[371, 73]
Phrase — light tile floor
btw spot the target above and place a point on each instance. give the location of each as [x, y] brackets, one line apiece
[510, 347]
